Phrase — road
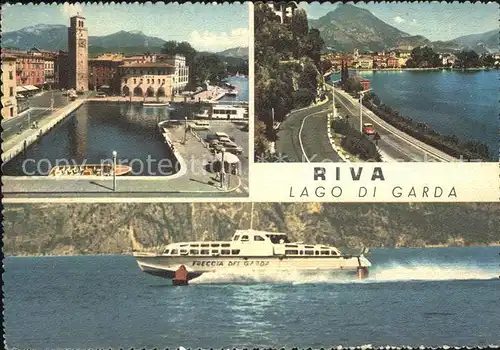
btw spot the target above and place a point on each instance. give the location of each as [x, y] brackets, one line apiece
[392, 146]
[303, 137]
[40, 107]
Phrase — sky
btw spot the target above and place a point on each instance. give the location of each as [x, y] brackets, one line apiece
[206, 27]
[435, 20]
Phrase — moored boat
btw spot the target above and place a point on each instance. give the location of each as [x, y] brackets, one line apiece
[90, 170]
[155, 104]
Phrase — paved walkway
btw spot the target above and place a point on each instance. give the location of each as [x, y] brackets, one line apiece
[16, 144]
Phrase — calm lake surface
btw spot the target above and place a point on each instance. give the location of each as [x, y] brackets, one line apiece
[451, 102]
[93, 131]
[431, 296]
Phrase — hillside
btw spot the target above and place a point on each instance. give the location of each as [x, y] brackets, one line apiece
[237, 52]
[349, 27]
[104, 228]
[55, 37]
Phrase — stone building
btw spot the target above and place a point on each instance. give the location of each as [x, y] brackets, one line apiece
[103, 72]
[149, 79]
[78, 70]
[284, 10]
[9, 101]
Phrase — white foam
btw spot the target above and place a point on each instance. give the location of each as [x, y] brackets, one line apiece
[381, 273]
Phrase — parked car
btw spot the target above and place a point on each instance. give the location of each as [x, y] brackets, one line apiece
[368, 129]
[233, 148]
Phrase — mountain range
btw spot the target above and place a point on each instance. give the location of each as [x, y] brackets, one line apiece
[55, 37]
[85, 228]
[349, 27]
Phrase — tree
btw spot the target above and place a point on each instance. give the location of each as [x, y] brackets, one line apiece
[260, 141]
[314, 45]
[300, 29]
[423, 57]
[487, 60]
[467, 59]
[184, 48]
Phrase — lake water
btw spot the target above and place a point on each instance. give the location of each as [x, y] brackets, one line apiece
[431, 296]
[451, 102]
[96, 129]
[241, 85]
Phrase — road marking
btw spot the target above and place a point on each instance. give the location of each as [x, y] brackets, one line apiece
[300, 133]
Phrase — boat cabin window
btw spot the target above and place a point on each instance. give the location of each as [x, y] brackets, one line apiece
[184, 245]
[205, 245]
[166, 251]
[316, 252]
[325, 252]
[235, 251]
[205, 252]
[291, 252]
[214, 245]
[194, 245]
[225, 245]
[301, 252]
[184, 251]
[225, 252]
[194, 251]
[244, 238]
[309, 252]
[276, 239]
[236, 237]
[309, 246]
[334, 252]
[215, 252]
[258, 238]
[174, 252]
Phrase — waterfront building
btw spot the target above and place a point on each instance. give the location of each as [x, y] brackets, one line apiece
[181, 74]
[284, 10]
[448, 59]
[78, 75]
[61, 70]
[9, 101]
[365, 63]
[149, 79]
[103, 72]
[393, 62]
[49, 70]
[29, 68]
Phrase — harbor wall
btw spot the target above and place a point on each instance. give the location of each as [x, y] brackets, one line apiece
[21, 143]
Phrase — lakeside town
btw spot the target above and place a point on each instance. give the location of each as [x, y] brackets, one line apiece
[320, 64]
[192, 104]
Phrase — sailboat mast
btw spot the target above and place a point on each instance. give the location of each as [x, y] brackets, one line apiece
[251, 218]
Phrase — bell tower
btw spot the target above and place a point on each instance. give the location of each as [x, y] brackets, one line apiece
[78, 53]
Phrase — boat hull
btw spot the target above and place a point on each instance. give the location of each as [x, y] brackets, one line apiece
[165, 266]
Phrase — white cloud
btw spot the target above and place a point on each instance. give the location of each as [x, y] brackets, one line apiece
[210, 41]
[398, 19]
[69, 10]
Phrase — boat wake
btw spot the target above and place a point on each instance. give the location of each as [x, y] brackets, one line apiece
[382, 273]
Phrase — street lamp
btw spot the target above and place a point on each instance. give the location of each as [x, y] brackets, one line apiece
[223, 169]
[333, 99]
[361, 95]
[185, 130]
[114, 170]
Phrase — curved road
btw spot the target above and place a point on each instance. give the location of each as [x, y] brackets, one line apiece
[303, 136]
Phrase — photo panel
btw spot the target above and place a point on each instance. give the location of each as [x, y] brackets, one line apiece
[125, 100]
[250, 275]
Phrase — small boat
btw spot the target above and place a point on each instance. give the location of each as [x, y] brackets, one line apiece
[231, 86]
[232, 93]
[203, 115]
[155, 104]
[89, 170]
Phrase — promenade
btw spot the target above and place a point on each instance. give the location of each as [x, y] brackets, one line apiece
[194, 177]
